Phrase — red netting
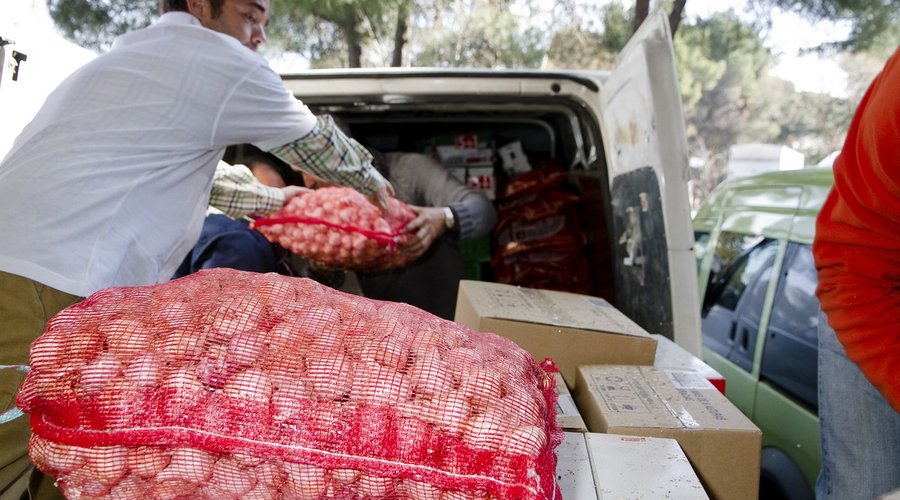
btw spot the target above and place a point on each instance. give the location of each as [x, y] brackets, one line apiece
[227, 384]
[338, 227]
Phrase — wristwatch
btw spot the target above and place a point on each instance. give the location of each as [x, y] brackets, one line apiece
[449, 219]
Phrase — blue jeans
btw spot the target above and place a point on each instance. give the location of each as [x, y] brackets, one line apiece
[226, 242]
[860, 432]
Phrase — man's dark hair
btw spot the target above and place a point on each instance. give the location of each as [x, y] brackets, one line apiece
[182, 6]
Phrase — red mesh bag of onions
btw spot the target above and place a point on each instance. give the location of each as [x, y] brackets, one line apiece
[227, 384]
[339, 227]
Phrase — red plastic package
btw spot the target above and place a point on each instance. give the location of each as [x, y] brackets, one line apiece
[228, 384]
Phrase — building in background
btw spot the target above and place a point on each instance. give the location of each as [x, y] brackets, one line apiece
[749, 159]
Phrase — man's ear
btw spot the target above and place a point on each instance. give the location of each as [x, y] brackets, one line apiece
[197, 8]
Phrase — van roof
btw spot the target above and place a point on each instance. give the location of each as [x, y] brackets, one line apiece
[781, 204]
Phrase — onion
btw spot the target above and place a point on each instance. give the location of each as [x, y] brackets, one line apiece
[482, 386]
[182, 345]
[126, 338]
[262, 491]
[177, 315]
[147, 461]
[380, 386]
[345, 477]
[245, 348]
[374, 486]
[448, 413]
[189, 465]
[331, 378]
[54, 458]
[418, 490]
[485, 431]
[231, 478]
[431, 377]
[271, 474]
[306, 482]
[129, 488]
[107, 464]
[95, 376]
[252, 384]
[244, 308]
[527, 409]
[528, 440]
[183, 386]
[291, 399]
[387, 352]
[144, 371]
[174, 488]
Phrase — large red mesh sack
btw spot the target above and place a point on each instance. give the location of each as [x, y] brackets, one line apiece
[227, 384]
[338, 227]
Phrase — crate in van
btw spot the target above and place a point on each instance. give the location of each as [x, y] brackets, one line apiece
[619, 137]
[759, 312]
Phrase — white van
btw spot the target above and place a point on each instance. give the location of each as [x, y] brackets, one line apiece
[620, 136]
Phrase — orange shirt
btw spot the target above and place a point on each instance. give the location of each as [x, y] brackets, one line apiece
[857, 244]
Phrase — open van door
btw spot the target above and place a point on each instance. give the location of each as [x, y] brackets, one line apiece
[648, 171]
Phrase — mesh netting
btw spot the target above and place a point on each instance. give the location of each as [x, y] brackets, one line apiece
[226, 384]
[338, 227]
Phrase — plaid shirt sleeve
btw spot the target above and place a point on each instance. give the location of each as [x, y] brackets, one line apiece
[328, 153]
[236, 192]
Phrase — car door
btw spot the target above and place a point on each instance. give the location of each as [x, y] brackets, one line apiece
[646, 151]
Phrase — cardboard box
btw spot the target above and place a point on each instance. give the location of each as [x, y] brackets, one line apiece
[674, 358]
[595, 466]
[567, 415]
[572, 329]
[721, 443]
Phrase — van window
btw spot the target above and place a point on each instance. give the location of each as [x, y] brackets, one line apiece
[735, 297]
[789, 358]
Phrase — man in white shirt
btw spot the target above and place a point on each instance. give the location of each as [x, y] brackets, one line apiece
[109, 183]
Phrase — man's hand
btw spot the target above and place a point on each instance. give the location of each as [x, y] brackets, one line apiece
[423, 230]
[381, 195]
[293, 191]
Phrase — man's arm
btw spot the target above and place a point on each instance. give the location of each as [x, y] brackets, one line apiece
[857, 245]
[236, 192]
[434, 186]
[329, 154]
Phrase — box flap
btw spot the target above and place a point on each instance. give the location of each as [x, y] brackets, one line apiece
[573, 468]
[642, 467]
[546, 307]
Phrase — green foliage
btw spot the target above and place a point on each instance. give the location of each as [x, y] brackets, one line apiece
[476, 33]
[873, 23]
[578, 46]
[94, 24]
[721, 62]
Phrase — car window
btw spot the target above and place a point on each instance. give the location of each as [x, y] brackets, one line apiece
[729, 247]
[740, 260]
[736, 295]
[790, 355]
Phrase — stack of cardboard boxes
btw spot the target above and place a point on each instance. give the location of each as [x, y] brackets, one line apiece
[638, 416]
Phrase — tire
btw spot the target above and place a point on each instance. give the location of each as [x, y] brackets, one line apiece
[781, 479]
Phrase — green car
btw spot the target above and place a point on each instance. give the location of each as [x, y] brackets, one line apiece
[753, 243]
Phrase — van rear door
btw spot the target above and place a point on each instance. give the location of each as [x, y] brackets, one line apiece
[648, 170]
